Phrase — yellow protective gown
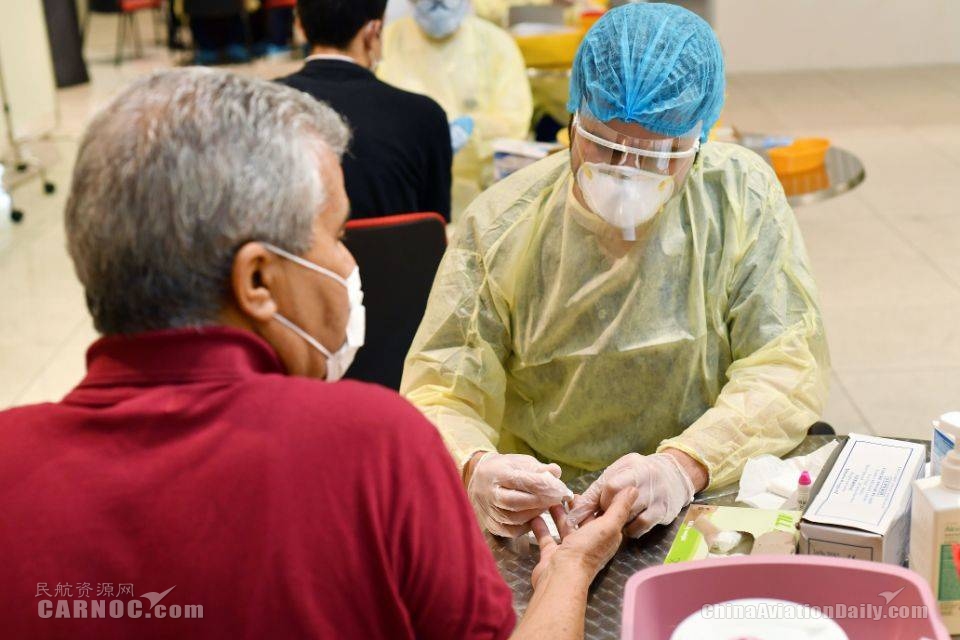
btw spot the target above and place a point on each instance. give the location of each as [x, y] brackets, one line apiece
[547, 334]
[477, 72]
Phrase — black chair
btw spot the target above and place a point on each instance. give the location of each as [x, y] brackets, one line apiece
[222, 9]
[821, 429]
[398, 258]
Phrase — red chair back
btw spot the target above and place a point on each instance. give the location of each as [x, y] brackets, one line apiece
[279, 4]
[128, 6]
[398, 258]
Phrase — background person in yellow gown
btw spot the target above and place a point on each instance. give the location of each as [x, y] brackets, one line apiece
[474, 70]
[642, 304]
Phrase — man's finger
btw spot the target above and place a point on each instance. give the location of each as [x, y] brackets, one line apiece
[542, 533]
[560, 519]
[586, 504]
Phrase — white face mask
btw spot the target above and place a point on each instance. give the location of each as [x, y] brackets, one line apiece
[625, 197]
[440, 18]
[339, 361]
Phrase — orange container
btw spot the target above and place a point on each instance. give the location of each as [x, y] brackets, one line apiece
[805, 154]
[550, 50]
[589, 18]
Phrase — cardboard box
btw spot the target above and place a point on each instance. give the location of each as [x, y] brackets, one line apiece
[509, 156]
[861, 508]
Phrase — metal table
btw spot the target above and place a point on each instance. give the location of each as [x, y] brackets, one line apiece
[516, 560]
[840, 172]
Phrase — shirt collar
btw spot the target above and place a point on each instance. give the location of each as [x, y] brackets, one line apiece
[176, 356]
[330, 56]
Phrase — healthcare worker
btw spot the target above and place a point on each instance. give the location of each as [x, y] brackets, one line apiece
[642, 304]
[474, 70]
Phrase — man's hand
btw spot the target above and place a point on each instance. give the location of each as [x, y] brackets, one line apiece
[509, 490]
[665, 488]
[586, 550]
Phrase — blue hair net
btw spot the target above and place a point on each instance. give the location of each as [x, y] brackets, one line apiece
[656, 65]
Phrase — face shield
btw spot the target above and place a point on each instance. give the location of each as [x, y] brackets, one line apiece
[626, 180]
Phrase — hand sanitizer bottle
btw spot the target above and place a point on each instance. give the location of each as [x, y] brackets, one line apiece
[935, 536]
[945, 435]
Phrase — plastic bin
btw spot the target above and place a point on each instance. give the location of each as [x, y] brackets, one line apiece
[805, 154]
[658, 599]
[550, 50]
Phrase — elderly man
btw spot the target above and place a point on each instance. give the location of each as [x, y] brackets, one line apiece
[206, 479]
[642, 304]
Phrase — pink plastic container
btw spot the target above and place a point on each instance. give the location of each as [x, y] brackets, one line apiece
[658, 599]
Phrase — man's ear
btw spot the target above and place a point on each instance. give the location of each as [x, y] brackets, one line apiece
[254, 273]
[372, 32]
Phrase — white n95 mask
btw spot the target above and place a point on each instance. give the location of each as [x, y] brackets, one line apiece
[440, 18]
[340, 360]
[627, 180]
[626, 197]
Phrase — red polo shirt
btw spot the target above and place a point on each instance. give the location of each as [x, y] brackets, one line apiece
[284, 507]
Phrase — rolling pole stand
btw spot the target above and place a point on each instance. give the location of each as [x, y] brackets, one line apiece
[25, 167]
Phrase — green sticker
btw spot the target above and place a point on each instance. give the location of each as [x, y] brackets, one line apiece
[685, 546]
[949, 584]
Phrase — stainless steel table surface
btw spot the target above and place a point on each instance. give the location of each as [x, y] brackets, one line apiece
[516, 561]
[840, 172]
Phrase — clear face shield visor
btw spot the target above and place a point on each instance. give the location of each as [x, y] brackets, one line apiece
[600, 144]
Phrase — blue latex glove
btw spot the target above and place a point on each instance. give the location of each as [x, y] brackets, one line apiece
[460, 130]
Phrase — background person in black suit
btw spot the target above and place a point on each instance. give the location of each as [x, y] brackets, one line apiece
[400, 157]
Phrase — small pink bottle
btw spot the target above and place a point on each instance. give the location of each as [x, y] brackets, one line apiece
[803, 489]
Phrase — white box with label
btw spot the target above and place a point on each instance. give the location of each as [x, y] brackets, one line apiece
[862, 508]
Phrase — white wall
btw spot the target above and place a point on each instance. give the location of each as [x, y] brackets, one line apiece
[774, 35]
[27, 68]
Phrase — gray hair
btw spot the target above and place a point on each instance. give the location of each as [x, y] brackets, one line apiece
[177, 173]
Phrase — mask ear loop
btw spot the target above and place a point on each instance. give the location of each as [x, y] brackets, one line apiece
[306, 263]
[313, 342]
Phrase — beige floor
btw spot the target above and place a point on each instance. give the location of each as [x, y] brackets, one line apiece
[887, 256]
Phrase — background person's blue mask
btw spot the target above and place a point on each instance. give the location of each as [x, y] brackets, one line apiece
[440, 18]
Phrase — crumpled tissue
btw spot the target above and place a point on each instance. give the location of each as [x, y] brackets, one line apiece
[771, 483]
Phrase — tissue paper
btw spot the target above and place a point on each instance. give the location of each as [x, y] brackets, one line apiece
[767, 478]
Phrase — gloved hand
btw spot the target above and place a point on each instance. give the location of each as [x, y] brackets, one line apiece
[665, 489]
[509, 490]
[460, 131]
